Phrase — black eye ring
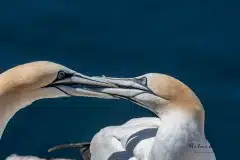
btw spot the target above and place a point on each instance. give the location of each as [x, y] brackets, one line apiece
[61, 75]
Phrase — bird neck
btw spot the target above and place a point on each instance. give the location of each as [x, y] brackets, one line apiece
[178, 129]
[11, 102]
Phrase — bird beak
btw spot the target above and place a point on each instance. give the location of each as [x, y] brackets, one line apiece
[126, 88]
[132, 89]
[81, 85]
[135, 90]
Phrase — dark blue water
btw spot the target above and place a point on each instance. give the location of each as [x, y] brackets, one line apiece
[196, 41]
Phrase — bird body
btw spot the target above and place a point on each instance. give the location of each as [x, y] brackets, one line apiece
[134, 140]
[151, 139]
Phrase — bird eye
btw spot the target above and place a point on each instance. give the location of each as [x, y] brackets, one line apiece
[61, 75]
[144, 81]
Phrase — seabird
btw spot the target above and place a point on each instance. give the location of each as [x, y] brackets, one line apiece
[176, 133]
[24, 84]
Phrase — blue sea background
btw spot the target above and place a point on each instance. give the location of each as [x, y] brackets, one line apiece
[196, 41]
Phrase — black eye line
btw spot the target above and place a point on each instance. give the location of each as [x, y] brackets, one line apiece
[67, 75]
[144, 79]
[140, 80]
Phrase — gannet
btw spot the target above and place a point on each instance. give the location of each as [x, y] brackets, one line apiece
[176, 133]
[24, 84]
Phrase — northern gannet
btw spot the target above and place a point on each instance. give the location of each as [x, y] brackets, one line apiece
[24, 84]
[177, 133]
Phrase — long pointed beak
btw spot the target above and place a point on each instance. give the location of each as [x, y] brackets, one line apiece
[81, 85]
[126, 88]
[91, 86]
[92, 81]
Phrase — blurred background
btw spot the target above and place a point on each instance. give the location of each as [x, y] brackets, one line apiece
[196, 41]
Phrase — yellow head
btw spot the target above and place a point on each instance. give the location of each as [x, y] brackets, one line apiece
[47, 79]
[30, 76]
[157, 92]
[22, 85]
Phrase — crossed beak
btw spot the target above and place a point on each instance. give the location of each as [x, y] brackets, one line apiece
[102, 87]
[126, 88]
[132, 89]
[77, 84]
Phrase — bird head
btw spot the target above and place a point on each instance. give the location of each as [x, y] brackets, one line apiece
[44, 79]
[157, 92]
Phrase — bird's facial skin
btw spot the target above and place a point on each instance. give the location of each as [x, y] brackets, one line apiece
[154, 91]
